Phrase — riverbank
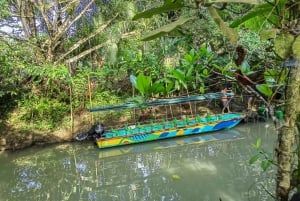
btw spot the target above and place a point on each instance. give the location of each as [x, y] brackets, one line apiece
[15, 137]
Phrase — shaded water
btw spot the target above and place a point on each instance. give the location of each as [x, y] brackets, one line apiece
[201, 171]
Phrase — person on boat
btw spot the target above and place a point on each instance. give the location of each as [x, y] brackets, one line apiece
[225, 100]
[97, 131]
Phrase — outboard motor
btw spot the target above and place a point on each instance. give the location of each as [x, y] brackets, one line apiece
[96, 131]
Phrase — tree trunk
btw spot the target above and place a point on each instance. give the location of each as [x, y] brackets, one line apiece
[286, 135]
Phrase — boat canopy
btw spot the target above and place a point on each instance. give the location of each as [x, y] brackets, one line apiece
[158, 102]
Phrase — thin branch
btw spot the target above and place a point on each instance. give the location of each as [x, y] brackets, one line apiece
[80, 42]
[40, 6]
[66, 25]
[86, 52]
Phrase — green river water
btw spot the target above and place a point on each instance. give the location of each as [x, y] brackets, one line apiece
[207, 171]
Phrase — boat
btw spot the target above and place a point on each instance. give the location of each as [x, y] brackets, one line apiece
[189, 123]
[223, 135]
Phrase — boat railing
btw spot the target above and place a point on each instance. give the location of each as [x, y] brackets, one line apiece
[165, 114]
[153, 126]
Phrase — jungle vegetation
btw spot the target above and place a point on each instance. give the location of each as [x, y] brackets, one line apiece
[60, 57]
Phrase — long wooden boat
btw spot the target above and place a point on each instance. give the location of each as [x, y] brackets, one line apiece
[165, 130]
[223, 135]
[168, 127]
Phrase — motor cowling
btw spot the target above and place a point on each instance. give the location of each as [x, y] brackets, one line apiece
[96, 131]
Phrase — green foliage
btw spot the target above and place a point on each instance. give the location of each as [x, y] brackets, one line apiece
[283, 44]
[258, 54]
[262, 155]
[43, 113]
[143, 84]
[267, 34]
[264, 89]
[4, 8]
[228, 32]
[296, 47]
[260, 10]
[146, 87]
[272, 77]
[257, 145]
[13, 60]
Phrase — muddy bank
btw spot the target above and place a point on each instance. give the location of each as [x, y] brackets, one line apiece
[15, 138]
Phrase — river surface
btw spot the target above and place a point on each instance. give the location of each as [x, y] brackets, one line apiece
[186, 169]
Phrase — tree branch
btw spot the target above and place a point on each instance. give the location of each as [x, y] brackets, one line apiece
[66, 25]
[86, 52]
[80, 42]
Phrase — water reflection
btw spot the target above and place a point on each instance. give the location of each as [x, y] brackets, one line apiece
[207, 169]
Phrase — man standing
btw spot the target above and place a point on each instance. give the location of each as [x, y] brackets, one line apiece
[225, 100]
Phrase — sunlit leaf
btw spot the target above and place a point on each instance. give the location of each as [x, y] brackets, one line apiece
[188, 58]
[264, 89]
[254, 158]
[166, 29]
[175, 176]
[257, 144]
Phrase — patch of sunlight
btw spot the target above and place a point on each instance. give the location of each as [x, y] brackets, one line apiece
[208, 167]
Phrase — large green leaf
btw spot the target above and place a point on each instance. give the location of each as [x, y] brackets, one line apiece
[260, 10]
[178, 74]
[254, 158]
[257, 144]
[157, 88]
[265, 164]
[296, 47]
[166, 29]
[283, 44]
[264, 89]
[143, 84]
[167, 6]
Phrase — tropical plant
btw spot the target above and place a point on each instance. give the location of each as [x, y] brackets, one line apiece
[280, 20]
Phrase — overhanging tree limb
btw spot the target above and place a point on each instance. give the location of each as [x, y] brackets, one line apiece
[67, 24]
[80, 42]
[86, 52]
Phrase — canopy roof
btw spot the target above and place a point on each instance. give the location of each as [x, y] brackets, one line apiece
[158, 102]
